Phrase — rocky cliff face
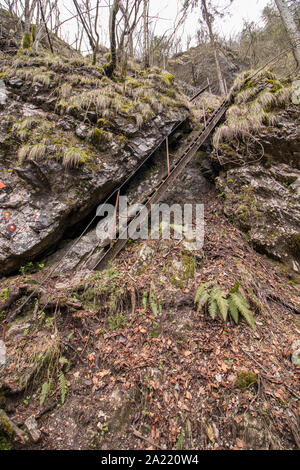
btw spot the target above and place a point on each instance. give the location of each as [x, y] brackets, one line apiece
[68, 137]
[197, 65]
[258, 151]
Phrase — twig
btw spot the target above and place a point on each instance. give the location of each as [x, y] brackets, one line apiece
[133, 301]
[140, 436]
[46, 410]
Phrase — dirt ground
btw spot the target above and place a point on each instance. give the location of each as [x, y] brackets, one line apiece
[131, 364]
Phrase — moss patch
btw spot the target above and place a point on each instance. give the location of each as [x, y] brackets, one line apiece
[245, 379]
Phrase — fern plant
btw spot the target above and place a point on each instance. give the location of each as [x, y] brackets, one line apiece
[150, 298]
[62, 386]
[224, 304]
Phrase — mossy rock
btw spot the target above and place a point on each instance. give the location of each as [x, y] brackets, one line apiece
[6, 435]
[295, 244]
[5, 443]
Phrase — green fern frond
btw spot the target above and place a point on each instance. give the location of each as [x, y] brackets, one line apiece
[203, 299]
[236, 287]
[233, 310]
[220, 297]
[212, 308]
[244, 309]
[201, 289]
[145, 299]
[219, 302]
[62, 386]
[45, 392]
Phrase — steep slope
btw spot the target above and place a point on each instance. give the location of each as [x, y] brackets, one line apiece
[257, 150]
[69, 136]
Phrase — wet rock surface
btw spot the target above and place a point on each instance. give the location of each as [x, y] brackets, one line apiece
[261, 190]
[264, 202]
[41, 198]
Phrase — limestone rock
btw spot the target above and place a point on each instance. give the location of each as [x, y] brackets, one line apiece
[296, 92]
[32, 427]
[144, 259]
[262, 196]
[296, 353]
[2, 353]
[17, 329]
[264, 202]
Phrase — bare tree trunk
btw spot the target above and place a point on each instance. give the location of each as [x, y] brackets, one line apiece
[27, 16]
[110, 68]
[213, 43]
[291, 27]
[146, 35]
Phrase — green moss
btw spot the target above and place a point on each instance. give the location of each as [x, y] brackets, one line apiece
[242, 212]
[167, 78]
[245, 379]
[6, 434]
[188, 260]
[4, 294]
[99, 136]
[156, 330]
[133, 83]
[5, 13]
[2, 401]
[116, 322]
[26, 41]
[171, 94]
[102, 123]
[179, 283]
[295, 243]
[5, 443]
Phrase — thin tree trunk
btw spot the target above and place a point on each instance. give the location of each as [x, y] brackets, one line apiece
[146, 35]
[27, 16]
[213, 43]
[291, 27]
[110, 68]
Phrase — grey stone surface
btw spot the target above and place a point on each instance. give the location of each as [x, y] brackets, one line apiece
[32, 427]
[2, 353]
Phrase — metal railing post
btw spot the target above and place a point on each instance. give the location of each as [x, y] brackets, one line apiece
[168, 155]
[115, 216]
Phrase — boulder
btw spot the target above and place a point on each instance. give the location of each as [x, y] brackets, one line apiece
[265, 202]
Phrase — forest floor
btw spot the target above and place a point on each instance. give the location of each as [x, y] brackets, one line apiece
[100, 367]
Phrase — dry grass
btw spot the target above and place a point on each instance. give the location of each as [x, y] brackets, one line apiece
[38, 151]
[24, 126]
[139, 119]
[42, 78]
[256, 101]
[65, 90]
[23, 153]
[32, 152]
[144, 95]
[73, 157]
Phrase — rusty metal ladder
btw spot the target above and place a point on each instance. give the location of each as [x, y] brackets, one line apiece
[164, 184]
